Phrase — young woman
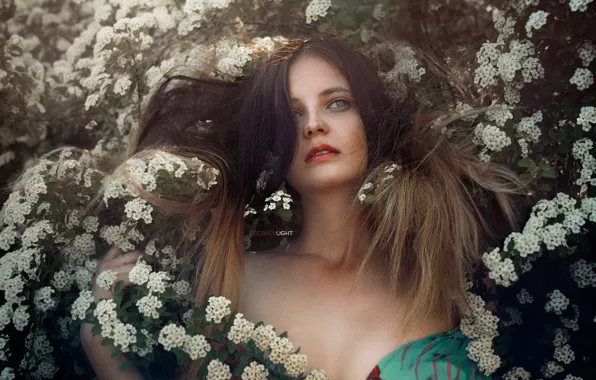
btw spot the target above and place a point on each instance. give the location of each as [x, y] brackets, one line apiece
[368, 291]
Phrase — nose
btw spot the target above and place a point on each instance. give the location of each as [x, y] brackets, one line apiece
[315, 127]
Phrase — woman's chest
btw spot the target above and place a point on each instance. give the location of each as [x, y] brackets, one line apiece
[342, 330]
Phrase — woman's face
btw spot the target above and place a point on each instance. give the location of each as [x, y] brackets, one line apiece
[325, 113]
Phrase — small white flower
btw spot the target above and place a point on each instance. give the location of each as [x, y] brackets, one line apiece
[317, 374]
[106, 279]
[148, 306]
[157, 282]
[264, 336]
[557, 302]
[217, 370]
[582, 78]
[217, 308]
[316, 9]
[196, 346]
[140, 273]
[536, 21]
[242, 330]
[296, 365]
[255, 371]
[172, 336]
[281, 349]
[181, 287]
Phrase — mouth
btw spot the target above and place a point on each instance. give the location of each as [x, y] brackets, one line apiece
[319, 152]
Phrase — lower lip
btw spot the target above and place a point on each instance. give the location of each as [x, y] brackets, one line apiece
[321, 157]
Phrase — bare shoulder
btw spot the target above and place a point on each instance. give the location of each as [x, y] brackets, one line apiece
[260, 270]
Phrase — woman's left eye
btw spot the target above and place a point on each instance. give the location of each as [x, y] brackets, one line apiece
[342, 103]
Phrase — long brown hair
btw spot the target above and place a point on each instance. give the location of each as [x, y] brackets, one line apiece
[425, 224]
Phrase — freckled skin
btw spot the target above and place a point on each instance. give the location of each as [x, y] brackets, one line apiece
[332, 119]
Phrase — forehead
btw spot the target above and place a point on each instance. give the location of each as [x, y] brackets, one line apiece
[311, 73]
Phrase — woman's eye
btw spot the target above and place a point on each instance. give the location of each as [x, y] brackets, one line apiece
[340, 102]
[297, 113]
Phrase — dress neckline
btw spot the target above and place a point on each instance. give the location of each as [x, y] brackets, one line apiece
[429, 338]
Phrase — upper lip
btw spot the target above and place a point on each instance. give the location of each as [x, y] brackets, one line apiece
[318, 148]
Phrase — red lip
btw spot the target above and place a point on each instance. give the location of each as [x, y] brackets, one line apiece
[318, 148]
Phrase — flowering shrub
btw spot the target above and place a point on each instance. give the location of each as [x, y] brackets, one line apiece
[77, 71]
[51, 257]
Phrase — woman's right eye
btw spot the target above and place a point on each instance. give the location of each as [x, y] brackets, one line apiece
[297, 113]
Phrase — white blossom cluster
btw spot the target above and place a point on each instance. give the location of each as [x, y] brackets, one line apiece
[536, 232]
[492, 137]
[501, 269]
[503, 25]
[106, 278]
[557, 302]
[24, 235]
[536, 21]
[564, 354]
[316, 9]
[217, 370]
[582, 78]
[524, 297]
[481, 326]
[581, 152]
[495, 62]
[241, 330]
[517, 373]
[279, 199]
[232, 56]
[551, 368]
[527, 131]
[367, 191]
[583, 273]
[587, 117]
[217, 309]
[587, 53]
[281, 349]
[247, 211]
[406, 68]
[254, 371]
[579, 5]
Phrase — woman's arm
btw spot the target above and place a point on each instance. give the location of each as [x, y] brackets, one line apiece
[105, 367]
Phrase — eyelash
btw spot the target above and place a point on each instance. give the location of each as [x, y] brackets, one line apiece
[335, 100]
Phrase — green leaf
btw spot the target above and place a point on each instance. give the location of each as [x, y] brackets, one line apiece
[96, 330]
[238, 370]
[202, 373]
[107, 342]
[222, 356]
[285, 214]
[547, 171]
[231, 347]
[545, 187]
[116, 352]
[284, 334]
[118, 286]
[124, 366]
[180, 357]
[348, 33]
[525, 163]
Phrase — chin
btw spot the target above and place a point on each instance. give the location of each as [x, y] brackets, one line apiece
[325, 182]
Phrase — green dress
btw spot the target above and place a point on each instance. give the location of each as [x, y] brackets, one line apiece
[435, 357]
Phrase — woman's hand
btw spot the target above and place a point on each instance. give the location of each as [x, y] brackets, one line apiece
[117, 262]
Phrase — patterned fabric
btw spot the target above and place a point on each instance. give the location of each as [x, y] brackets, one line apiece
[435, 357]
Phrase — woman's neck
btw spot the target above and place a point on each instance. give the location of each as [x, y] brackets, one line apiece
[330, 231]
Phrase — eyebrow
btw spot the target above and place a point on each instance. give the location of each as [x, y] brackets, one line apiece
[327, 92]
